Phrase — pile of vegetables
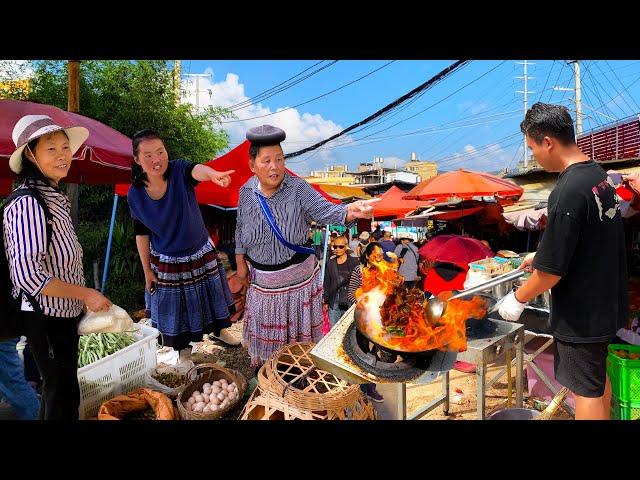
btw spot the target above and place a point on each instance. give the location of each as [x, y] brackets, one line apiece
[146, 414]
[214, 396]
[171, 380]
[95, 346]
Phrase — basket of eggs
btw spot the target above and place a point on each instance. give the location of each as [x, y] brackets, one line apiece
[212, 391]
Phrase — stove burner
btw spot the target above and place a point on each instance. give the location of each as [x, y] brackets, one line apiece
[381, 362]
[483, 328]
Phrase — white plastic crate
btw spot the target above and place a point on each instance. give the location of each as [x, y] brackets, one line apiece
[118, 373]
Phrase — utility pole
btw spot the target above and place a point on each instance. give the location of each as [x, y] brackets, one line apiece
[198, 75]
[576, 66]
[578, 90]
[177, 84]
[526, 106]
[73, 105]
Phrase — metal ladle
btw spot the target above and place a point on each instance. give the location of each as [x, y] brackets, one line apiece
[435, 307]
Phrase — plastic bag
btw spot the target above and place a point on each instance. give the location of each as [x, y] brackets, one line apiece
[326, 325]
[114, 320]
[118, 407]
[179, 369]
[475, 278]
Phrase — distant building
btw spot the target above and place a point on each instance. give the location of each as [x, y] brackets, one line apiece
[426, 170]
[333, 174]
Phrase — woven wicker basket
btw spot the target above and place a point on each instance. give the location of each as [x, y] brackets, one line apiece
[209, 373]
[265, 405]
[291, 375]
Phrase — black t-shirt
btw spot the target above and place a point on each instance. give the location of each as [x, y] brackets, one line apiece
[584, 244]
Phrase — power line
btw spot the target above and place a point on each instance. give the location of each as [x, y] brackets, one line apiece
[438, 102]
[429, 83]
[625, 88]
[615, 90]
[275, 90]
[315, 98]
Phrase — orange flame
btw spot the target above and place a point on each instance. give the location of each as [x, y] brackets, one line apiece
[394, 316]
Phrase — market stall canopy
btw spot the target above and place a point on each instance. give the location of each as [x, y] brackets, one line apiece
[525, 217]
[447, 210]
[342, 193]
[455, 249]
[208, 193]
[467, 185]
[530, 212]
[105, 158]
[393, 205]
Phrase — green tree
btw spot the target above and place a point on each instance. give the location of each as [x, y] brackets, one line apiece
[128, 96]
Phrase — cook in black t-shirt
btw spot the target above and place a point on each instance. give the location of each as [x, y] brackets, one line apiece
[584, 244]
[581, 258]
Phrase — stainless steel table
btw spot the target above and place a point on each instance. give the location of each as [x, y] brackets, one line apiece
[503, 344]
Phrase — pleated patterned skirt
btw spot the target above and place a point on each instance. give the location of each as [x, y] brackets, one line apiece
[192, 298]
[282, 307]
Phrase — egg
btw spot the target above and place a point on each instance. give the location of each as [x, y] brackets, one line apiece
[221, 396]
[206, 409]
[224, 382]
[214, 400]
[198, 407]
[191, 401]
[206, 390]
[213, 407]
[199, 399]
[205, 398]
[217, 383]
[215, 389]
[206, 385]
[195, 394]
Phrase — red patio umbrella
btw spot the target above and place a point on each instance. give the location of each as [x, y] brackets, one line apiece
[465, 184]
[393, 205]
[455, 249]
[104, 158]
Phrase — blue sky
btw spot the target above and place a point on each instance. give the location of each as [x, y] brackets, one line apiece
[470, 119]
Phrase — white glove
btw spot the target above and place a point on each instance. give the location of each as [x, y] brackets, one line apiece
[510, 307]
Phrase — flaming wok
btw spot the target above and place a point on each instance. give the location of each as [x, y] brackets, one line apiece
[413, 334]
[392, 317]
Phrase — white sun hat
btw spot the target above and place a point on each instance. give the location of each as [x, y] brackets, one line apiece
[30, 127]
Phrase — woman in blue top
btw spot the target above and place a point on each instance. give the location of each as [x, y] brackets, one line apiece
[189, 295]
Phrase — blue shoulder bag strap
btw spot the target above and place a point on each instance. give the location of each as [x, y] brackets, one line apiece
[272, 223]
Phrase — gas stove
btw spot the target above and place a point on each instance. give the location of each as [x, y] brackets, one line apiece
[348, 355]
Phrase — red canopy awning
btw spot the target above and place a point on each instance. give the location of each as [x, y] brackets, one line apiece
[208, 193]
[393, 205]
[5, 186]
[465, 184]
[104, 158]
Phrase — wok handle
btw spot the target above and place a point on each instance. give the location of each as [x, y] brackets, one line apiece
[490, 284]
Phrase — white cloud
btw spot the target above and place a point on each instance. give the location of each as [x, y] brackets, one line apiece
[478, 108]
[303, 129]
[488, 158]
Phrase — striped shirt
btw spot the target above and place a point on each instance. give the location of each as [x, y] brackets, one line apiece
[294, 206]
[355, 282]
[30, 266]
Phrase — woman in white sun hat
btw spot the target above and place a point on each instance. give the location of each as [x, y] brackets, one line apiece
[45, 258]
